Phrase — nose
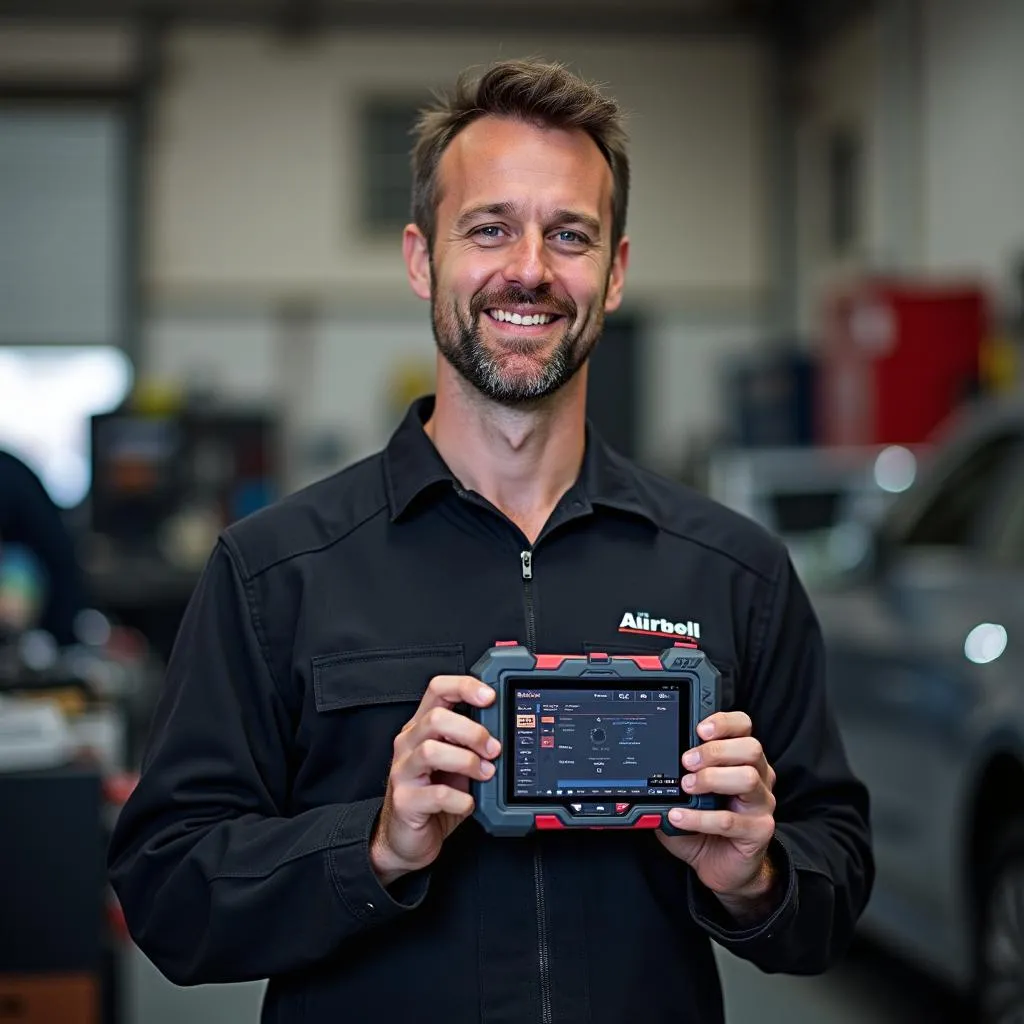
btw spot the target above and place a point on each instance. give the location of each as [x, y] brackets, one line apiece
[527, 262]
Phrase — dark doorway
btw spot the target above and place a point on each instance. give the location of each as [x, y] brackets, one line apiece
[613, 391]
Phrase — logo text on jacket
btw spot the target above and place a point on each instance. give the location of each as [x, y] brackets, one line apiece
[644, 624]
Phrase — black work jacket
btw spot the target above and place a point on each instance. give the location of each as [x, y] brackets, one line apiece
[243, 852]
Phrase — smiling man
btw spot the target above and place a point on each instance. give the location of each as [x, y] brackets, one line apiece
[304, 807]
[519, 285]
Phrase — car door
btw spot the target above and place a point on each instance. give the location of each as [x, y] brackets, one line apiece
[901, 684]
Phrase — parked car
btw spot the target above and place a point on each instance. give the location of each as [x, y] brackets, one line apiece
[925, 642]
[806, 495]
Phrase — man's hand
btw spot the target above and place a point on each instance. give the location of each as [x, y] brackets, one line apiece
[427, 798]
[729, 850]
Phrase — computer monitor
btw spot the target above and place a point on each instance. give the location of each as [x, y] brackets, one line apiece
[148, 469]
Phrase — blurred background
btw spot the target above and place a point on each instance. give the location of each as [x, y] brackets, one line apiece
[203, 307]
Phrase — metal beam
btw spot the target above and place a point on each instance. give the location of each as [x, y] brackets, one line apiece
[817, 22]
[782, 314]
[653, 17]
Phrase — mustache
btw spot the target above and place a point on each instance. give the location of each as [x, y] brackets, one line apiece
[515, 296]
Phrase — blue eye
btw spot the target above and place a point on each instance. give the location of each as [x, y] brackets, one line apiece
[575, 238]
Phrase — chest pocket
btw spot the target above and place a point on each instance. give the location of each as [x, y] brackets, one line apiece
[363, 699]
[647, 645]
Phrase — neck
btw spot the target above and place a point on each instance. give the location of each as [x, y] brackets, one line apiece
[522, 460]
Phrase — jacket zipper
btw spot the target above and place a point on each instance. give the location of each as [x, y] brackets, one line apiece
[542, 940]
[531, 630]
[543, 957]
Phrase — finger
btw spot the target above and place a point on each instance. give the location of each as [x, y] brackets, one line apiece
[412, 801]
[752, 828]
[738, 780]
[459, 782]
[447, 691]
[451, 727]
[741, 750]
[724, 724]
[435, 756]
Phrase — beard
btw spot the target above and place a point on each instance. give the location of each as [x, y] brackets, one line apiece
[487, 368]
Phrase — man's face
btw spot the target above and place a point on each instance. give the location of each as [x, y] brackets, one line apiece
[521, 273]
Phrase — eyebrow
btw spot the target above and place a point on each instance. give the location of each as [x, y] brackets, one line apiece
[565, 216]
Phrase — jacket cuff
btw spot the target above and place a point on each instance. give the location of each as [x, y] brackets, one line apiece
[355, 882]
[709, 913]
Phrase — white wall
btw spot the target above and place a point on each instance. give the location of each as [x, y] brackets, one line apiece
[839, 89]
[683, 387]
[254, 168]
[974, 137]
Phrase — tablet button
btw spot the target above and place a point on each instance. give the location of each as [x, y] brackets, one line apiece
[648, 821]
[547, 821]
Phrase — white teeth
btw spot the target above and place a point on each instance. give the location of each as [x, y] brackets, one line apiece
[529, 320]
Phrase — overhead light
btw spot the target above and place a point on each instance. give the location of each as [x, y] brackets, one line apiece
[895, 469]
[985, 643]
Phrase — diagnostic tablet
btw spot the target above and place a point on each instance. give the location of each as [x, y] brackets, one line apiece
[591, 741]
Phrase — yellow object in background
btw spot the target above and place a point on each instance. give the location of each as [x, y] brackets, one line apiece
[157, 398]
[69, 701]
[999, 364]
[410, 379]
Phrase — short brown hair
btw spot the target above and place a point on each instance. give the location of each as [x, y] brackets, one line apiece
[528, 90]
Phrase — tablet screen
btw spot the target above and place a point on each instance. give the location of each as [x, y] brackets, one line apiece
[595, 743]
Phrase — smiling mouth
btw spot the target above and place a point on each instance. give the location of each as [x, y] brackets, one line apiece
[540, 319]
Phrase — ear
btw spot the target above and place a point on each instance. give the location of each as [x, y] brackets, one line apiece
[416, 251]
[617, 277]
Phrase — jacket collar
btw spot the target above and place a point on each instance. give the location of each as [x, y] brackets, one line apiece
[413, 466]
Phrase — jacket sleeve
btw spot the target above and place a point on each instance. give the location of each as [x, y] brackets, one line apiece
[217, 882]
[821, 848]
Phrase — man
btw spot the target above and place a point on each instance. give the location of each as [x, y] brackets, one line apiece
[302, 811]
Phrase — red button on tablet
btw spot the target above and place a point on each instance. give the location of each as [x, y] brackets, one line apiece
[648, 821]
[621, 808]
[549, 821]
